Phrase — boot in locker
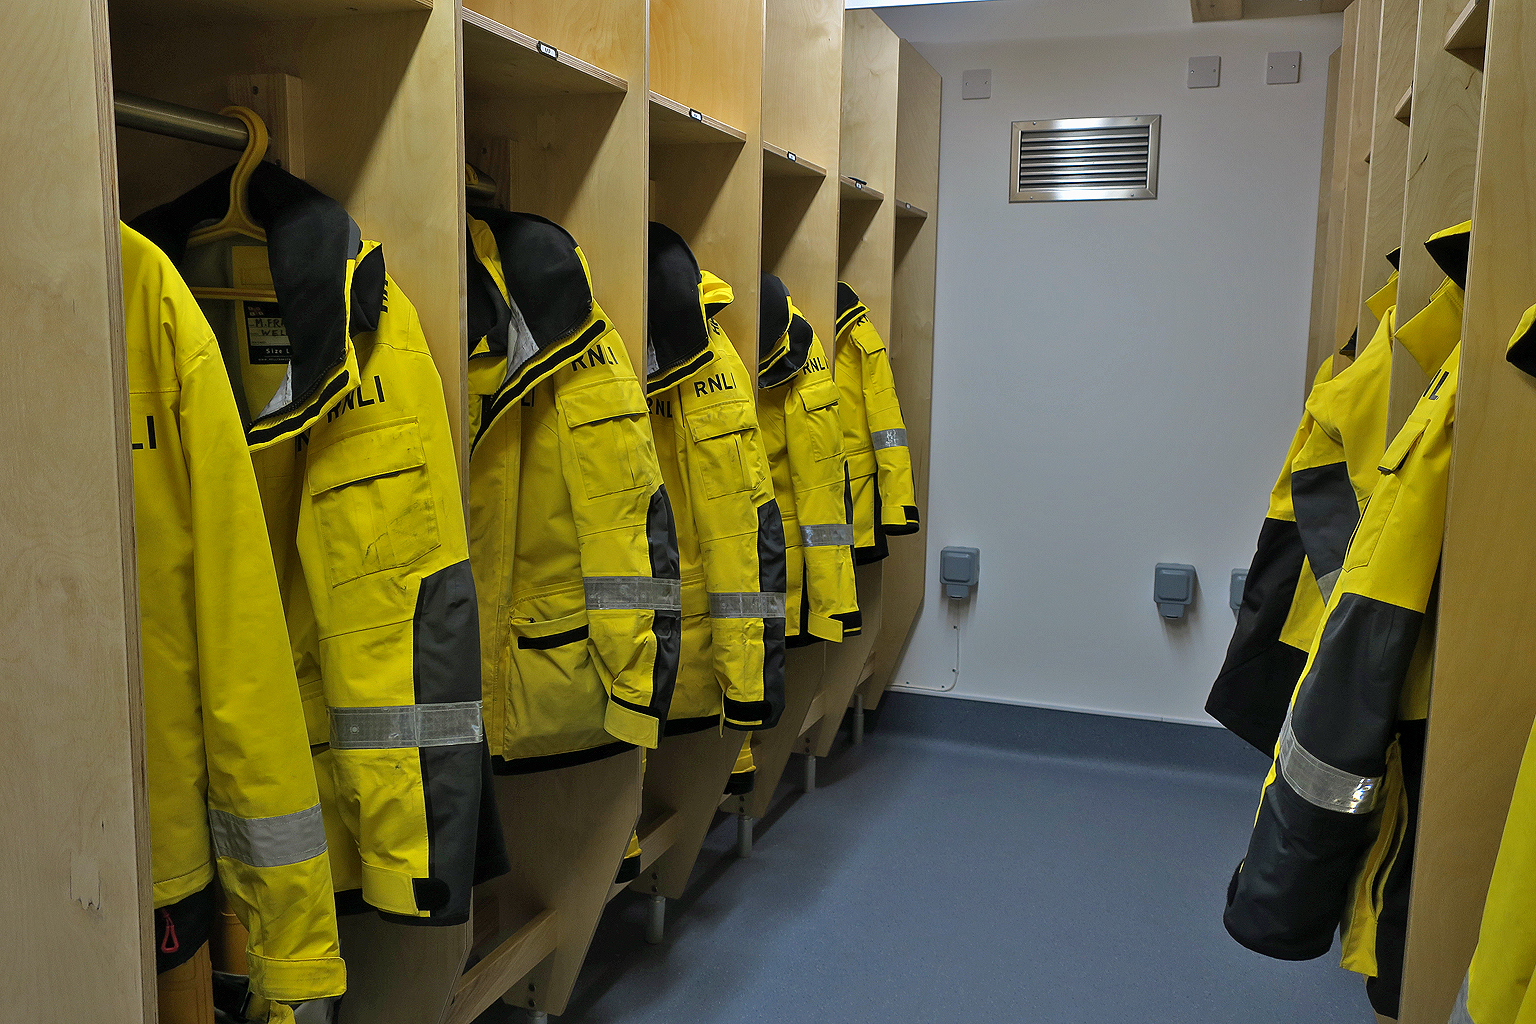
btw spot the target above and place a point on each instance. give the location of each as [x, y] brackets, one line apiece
[186, 991]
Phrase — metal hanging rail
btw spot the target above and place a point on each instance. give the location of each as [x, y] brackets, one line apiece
[179, 122]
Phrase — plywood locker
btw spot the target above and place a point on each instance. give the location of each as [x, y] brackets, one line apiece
[910, 345]
[74, 712]
[802, 89]
[555, 113]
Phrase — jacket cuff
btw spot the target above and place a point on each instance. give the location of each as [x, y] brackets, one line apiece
[393, 892]
[631, 726]
[899, 520]
[823, 627]
[294, 981]
[747, 715]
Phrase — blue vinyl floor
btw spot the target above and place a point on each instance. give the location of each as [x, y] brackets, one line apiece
[972, 863]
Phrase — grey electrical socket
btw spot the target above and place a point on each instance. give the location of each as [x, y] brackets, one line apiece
[1173, 588]
[959, 571]
[1235, 596]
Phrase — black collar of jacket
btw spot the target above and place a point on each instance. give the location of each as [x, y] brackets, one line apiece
[1395, 257]
[677, 327]
[849, 307]
[775, 320]
[310, 238]
[1450, 252]
[544, 275]
[1522, 347]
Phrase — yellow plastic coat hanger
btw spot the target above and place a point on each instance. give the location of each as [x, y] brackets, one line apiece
[236, 222]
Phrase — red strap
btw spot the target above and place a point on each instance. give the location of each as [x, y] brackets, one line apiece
[169, 943]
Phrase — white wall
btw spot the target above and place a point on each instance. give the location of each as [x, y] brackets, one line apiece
[1115, 383]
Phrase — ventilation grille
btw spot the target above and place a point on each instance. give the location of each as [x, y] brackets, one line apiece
[1085, 158]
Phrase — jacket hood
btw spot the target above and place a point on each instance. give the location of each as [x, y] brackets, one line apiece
[849, 306]
[677, 335]
[1449, 249]
[1352, 345]
[546, 280]
[1395, 257]
[1384, 299]
[310, 243]
[784, 335]
[1522, 347]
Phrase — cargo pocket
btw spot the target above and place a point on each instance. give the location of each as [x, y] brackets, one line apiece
[820, 401]
[720, 435]
[1378, 509]
[372, 501]
[609, 435]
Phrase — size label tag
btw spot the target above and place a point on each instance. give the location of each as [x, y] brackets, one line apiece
[266, 335]
[549, 51]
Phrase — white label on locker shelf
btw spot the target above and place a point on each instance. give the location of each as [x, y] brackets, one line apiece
[695, 114]
[549, 51]
[792, 156]
[265, 333]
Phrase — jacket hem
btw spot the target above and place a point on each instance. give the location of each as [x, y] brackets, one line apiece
[549, 762]
[688, 726]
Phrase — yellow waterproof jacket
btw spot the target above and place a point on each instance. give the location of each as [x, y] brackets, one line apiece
[1333, 839]
[1497, 989]
[729, 532]
[797, 406]
[880, 488]
[350, 438]
[575, 552]
[230, 787]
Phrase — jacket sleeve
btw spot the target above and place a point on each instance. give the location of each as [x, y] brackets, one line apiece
[887, 434]
[1367, 669]
[386, 564]
[741, 537]
[264, 813]
[1322, 496]
[1256, 680]
[628, 540]
[814, 435]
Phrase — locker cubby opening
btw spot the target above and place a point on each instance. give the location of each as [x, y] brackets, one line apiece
[802, 89]
[555, 113]
[867, 163]
[706, 172]
[369, 113]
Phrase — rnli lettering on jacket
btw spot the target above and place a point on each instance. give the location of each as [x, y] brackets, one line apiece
[231, 791]
[1497, 987]
[1328, 475]
[797, 407]
[730, 535]
[880, 486]
[348, 429]
[575, 550]
[1334, 836]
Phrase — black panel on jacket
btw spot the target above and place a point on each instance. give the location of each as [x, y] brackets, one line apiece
[1385, 990]
[543, 272]
[1326, 513]
[1254, 687]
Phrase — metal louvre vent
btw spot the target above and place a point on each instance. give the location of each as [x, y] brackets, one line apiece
[1085, 158]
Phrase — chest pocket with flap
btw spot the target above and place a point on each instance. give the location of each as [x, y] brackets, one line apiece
[372, 501]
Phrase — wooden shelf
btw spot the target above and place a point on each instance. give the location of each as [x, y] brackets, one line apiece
[1469, 33]
[1404, 106]
[502, 61]
[256, 10]
[906, 209]
[857, 191]
[675, 124]
[784, 163]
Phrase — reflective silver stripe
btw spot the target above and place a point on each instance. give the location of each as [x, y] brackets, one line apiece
[268, 842]
[1320, 784]
[406, 725]
[1326, 584]
[1460, 1014]
[611, 593]
[746, 606]
[895, 438]
[840, 534]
